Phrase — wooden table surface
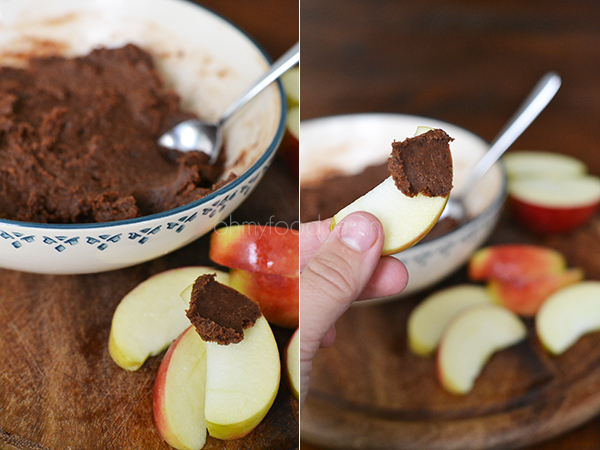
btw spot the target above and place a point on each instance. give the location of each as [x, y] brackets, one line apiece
[59, 389]
[467, 62]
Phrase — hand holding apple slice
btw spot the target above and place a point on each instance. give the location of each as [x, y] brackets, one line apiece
[411, 200]
[428, 320]
[569, 314]
[150, 317]
[471, 339]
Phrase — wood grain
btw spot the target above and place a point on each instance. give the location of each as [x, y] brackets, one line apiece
[59, 387]
[469, 63]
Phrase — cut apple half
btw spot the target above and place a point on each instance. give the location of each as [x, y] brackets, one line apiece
[470, 340]
[406, 220]
[428, 320]
[152, 315]
[179, 393]
[538, 164]
[242, 382]
[567, 315]
[554, 205]
[292, 363]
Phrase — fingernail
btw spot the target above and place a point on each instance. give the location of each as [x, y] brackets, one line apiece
[358, 232]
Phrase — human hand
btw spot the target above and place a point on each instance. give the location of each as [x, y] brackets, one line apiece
[338, 268]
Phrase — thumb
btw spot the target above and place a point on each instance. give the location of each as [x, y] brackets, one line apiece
[333, 279]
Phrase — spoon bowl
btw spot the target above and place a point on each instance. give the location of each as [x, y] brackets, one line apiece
[207, 137]
[533, 105]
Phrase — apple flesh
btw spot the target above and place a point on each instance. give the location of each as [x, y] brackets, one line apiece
[524, 296]
[428, 320]
[151, 316]
[567, 315]
[276, 295]
[406, 220]
[179, 393]
[290, 144]
[242, 382]
[291, 85]
[537, 164]
[470, 340]
[227, 389]
[292, 363]
[512, 261]
[257, 248]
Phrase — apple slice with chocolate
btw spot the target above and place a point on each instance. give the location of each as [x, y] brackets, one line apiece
[152, 315]
[411, 200]
[567, 315]
[243, 366]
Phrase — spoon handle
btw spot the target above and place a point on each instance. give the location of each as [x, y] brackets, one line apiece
[287, 60]
[534, 104]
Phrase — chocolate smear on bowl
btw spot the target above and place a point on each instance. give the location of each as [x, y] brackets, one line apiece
[220, 313]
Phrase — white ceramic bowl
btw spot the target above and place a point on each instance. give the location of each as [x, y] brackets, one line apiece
[208, 61]
[347, 144]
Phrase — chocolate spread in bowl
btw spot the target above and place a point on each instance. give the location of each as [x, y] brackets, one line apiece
[220, 313]
[78, 141]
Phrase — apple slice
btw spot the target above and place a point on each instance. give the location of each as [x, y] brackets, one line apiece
[292, 363]
[242, 382]
[151, 316]
[428, 320]
[407, 215]
[510, 261]
[291, 85]
[524, 296]
[406, 220]
[527, 164]
[257, 248]
[471, 339]
[567, 315]
[277, 296]
[179, 393]
[554, 205]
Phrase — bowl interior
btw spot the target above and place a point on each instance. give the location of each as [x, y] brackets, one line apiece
[207, 60]
[346, 145]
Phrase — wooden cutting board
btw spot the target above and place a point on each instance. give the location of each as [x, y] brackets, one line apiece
[59, 388]
[370, 391]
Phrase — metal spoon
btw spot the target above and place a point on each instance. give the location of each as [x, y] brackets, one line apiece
[196, 134]
[537, 100]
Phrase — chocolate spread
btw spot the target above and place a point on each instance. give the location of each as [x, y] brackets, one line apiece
[422, 164]
[78, 141]
[220, 313]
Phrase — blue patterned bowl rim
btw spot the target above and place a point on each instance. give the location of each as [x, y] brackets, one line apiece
[262, 160]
